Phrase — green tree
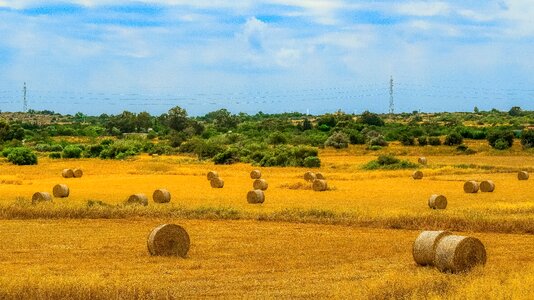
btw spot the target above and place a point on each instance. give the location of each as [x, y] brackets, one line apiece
[176, 118]
[370, 118]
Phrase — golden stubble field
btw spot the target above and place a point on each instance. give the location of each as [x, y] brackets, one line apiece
[353, 241]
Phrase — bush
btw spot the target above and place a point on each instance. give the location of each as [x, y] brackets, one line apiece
[527, 138]
[453, 138]
[422, 140]
[229, 156]
[506, 138]
[312, 162]
[71, 151]
[338, 140]
[54, 155]
[434, 141]
[501, 144]
[22, 156]
[389, 162]
[407, 140]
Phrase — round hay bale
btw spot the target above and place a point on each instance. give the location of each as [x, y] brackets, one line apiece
[422, 160]
[161, 196]
[424, 247]
[437, 202]
[41, 197]
[217, 183]
[319, 176]
[319, 185]
[255, 174]
[522, 175]
[471, 186]
[456, 253]
[309, 176]
[417, 175]
[260, 184]
[255, 197]
[60, 191]
[139, 199]
[67, 173]
[77, 173]
[487, 186]
[168, 240]
[212, 175]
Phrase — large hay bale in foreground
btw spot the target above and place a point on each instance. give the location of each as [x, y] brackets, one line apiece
[217, 183]
[212, 175]
[260, 184]
[67, 173]
[161, 196]
[437, 202]
[456, 253]
[309, 176]
[255, 174]
[471, 186]
[77, 173]
[422, 160]
[319, 176]
[41, 197]
[417, 175]
[255, 197]
[60, 191]
[487, 186]
[424, 247]
[168, 240]
[522, 175]
[319, 185]
[139, 199]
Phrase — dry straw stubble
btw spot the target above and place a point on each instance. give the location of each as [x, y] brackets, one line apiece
[217, 183]
[487, 186]
[60, 191]
[161, 196]
[437, 202]
[260, 184]
[139, 199]
[41, 197]
[522, 175]
[471, 186]
[456, 253]
[67, 173]
[424, 246]
[255, 174]
[319, 185]
[255, 197]
[417, 175]
[168, 240]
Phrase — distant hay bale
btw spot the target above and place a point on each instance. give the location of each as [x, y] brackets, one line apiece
[255, 174]
[60, 191]
[260, 184]
[456, 253]
[217, 183]
[309, 176]
[161, 196]
[77, 173]
[67, 173]
[424, 247]
[522, 175]
[255, 197]
[471, 186]
[319, 185]
[319, 176]
[212, 175]
[487, 186]
[417, 175]
[168, 240]
[437, 202]
[139, 199]
[41, 197]
[422, 160]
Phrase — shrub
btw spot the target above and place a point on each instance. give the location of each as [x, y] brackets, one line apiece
[527, 138]
[377, 141]
[229, 156]
[505, 136]
[389, 162]
[422, 140]
[22, 156]
[434, 141]
[54, 155]
[71, 151]
[407, 140]
[453, 138]
[501, 144]
[312, 162]
[338, 140]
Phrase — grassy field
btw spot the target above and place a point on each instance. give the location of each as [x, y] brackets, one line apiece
[353, 240]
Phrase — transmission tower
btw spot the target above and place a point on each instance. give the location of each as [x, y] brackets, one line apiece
[391, 103]
[25, 101]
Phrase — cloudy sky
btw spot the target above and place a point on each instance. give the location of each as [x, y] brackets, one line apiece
[97, 56]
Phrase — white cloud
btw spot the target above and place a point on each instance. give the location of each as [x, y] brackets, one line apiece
[422, 8]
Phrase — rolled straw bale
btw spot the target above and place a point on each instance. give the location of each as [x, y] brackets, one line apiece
[260, 184]
[422, 160]
[319, 176]
[319, 185]
[255, 174]
[522, 175]
[140, 199]
[41, 196]
[161, 196]
[77, 173]
[417, 175]
[60, 191]
[168, 240]
[437, 202]
[487, 186]
[217, 183]
[471, 186]
[255, 197]
[424, 247]
[309, 176]
[67, 173]
[456, 253]
[212, 174]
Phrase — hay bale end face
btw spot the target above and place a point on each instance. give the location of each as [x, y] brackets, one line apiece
[319, 185]
[437, 202]
[41, 197]
[255, 197]
[255, 174]
[522, 175]
[168, 240]
[320, 176]
[212, 175]
[77, 173]
[424, 247]
[161, 196]
[217, 183]
[67, 173]
[260, 184]
[309, 176]
[457, 254]
[487, 186]
[60, 191]
[137, 199]
[471, 186]
[417, 175]
[422, 160]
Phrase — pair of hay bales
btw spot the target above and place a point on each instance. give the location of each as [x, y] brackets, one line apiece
[317, 180]
[215, 181]
[472, 186]
[58, 191]
[448, 252]
[159, 196]
[522, 175]
[168, 240]
[70, 173]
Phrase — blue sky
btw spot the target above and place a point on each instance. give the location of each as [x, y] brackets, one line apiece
[106, 56]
